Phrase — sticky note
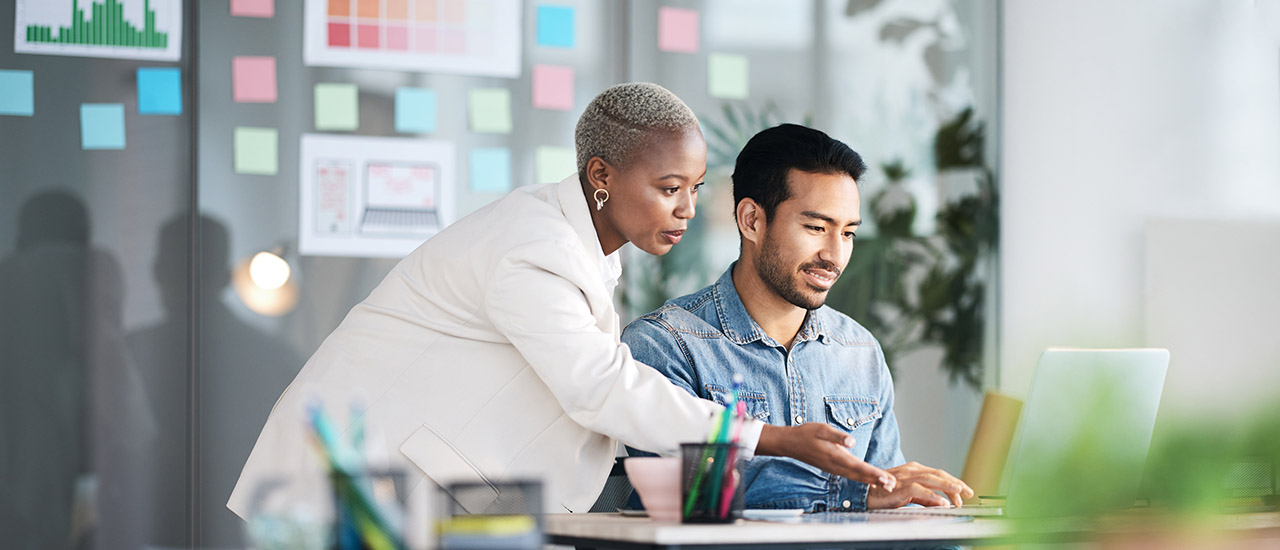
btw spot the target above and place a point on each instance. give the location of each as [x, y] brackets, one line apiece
[491, 170]
[727, 76]
[337, 107]
[555, 26]
[253, 8]
[17, 93]
[554, 164]
[254, 79]
[256, 151]
[415, 110]
[102, 126]
[159, 91]
[490, 110]
[677, 30]
[553, 87]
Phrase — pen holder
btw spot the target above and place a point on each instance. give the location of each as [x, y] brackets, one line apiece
[711, 482]
[500, 515]
[368, 509]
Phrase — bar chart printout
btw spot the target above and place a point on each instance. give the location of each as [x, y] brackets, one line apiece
[126, 29]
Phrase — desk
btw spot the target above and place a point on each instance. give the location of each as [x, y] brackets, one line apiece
[615, 532]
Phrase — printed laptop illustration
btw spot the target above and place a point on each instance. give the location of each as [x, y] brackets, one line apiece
[401, 198]
[1087, 423]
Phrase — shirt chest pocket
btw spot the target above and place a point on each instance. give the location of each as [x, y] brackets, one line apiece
[851, 412]
[756, 404]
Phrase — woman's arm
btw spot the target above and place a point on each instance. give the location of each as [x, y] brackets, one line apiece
[540, 298]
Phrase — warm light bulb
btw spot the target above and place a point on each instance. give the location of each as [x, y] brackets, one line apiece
[268, 271]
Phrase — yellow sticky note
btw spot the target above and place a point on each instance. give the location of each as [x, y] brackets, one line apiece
[727, 76]
[337, 107]
[490, 111]
[554, 164]
[256, 151]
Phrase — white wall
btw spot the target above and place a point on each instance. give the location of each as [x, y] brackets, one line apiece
[1116, 113]
[1216, 315]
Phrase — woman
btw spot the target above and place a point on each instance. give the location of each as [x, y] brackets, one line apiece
[492, 351]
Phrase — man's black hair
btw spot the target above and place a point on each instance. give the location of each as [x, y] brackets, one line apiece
[761, 171]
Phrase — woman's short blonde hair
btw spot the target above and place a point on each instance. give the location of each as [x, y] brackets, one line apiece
[621, 119]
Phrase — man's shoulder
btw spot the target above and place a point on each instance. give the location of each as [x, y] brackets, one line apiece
[842, 329]
[692, 314]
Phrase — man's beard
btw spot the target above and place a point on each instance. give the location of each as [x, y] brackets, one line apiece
[770, 269]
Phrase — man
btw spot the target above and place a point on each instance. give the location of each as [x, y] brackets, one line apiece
[797, 203]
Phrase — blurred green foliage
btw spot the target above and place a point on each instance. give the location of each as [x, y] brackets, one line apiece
[1200, 470]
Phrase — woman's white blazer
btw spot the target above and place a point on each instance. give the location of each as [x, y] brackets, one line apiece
[491, 352]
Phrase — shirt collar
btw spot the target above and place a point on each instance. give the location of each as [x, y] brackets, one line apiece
[574, 206]
[741, 328]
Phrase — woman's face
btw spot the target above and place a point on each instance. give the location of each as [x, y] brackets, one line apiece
[652, 198]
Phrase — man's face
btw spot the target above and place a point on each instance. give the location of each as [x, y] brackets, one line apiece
[808, 240]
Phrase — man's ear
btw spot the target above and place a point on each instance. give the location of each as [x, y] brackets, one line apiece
[751, 220]
[597, 173]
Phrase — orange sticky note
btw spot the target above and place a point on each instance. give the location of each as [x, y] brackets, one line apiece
[254, 79]
[677, 30]
[553, 87]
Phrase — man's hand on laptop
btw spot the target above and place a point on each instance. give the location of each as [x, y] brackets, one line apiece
[919, 484]
[825, 447]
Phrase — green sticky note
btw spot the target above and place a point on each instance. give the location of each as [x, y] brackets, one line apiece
[490, 111]
[337, 107]
[727, 76]
[256, 151]
[554, 164]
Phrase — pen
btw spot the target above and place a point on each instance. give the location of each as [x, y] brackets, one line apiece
[717, 481]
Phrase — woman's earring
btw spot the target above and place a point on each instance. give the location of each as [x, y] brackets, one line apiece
[601, 200]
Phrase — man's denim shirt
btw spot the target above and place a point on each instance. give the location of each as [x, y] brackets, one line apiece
[835, 372]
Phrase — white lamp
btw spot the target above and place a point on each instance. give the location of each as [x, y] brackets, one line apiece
[265, 283]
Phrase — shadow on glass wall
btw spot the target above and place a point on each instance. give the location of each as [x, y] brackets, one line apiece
[73, 418]
[241, 373]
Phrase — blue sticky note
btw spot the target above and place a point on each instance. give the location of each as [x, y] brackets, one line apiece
[102, 126]
[491, 170]
[555, 26]
[415, 110]
[159, 91]
[17, 93]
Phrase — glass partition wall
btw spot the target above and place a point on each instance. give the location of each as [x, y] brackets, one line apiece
[143, 346]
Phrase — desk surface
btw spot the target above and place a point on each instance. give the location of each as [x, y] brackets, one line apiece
[616, 531]
[613, 531]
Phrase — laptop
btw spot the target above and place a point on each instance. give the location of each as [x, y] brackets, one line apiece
[401, 199]
[1087, 426]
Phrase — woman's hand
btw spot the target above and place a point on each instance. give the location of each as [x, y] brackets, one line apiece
[918, 485]
[822, 446]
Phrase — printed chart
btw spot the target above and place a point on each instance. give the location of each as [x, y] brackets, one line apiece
[126, 29]
[371, 196]
[475, 37]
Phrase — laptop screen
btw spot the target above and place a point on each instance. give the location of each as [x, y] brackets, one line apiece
[1082, 442]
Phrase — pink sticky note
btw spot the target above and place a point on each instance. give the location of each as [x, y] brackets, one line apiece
[254, 79]
[553, 87]
[677, 30]
[253, 8]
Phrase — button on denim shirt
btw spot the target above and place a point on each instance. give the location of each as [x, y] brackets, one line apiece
[835, 372]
